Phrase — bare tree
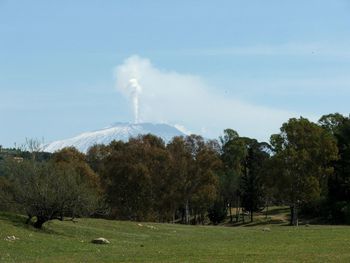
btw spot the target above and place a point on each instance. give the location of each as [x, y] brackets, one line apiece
[34, 146]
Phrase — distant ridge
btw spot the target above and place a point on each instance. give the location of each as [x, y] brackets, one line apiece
[117, 131]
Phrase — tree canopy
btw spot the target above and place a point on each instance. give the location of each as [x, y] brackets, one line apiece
[189, 179]
[304, 152]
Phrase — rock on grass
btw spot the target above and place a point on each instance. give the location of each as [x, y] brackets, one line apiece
[100, 240]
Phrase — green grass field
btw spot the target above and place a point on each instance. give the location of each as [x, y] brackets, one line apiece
[150, 242]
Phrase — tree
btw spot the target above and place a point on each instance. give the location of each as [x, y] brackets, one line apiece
[71, 157]
[126, 181]
[207, 165]
[217, 212]
[339, 183]
[34, 146]
[179, 168]
[332, 122]
[48, 191]
[135, 178]
[303, 151]
[241, 182]
[194, 163]
[233, 152]
[5, 201]
[252, 192]
[96, 155]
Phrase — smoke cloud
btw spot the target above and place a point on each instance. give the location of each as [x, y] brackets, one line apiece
[187, 101]
[128, 84]
[135, 90]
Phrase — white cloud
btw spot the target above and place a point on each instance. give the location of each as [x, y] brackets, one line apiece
[186, 100]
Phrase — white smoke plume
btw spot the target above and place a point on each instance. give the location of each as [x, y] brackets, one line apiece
[135, 90]
[128, 84]
[188, 101]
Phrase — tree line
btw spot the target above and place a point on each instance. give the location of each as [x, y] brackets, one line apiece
[189, 180]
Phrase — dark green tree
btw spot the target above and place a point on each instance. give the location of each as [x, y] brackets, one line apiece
[252, 185]
[233, 152]
[339, 183]
[217, 212]
[304, 152]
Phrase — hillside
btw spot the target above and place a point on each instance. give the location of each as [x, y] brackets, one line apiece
[150, 242]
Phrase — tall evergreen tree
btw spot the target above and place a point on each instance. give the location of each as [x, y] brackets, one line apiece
[252, 192]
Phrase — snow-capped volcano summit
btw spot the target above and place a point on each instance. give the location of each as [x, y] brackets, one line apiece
[117, 131]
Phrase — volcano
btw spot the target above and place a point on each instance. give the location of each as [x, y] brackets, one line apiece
[117, 132]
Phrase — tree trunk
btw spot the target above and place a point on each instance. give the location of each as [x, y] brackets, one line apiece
[202, 218]
[187, 213]
[237, 215]
[237, 210]
[229, 207]
[251, 216]
[294, 221]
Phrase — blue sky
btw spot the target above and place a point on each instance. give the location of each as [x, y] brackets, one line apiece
[210, 65]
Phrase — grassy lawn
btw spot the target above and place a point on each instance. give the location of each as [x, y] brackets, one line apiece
[150, 242]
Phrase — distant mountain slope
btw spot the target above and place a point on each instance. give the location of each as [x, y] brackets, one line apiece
[117, 131]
